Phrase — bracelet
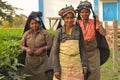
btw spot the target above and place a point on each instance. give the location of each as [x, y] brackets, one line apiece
[84, 67]
[45, 47]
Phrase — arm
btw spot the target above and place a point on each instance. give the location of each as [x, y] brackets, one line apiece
[83, 50]
[99, 27]
[23, 44]
[48, 39]
[55, 52]
[84, 59]
[83, 54]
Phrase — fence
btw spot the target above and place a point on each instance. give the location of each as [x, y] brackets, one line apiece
[113, 37]
[110, 34]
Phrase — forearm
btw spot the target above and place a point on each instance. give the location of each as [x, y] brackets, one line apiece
[83, 50]
[101, 30]
[23, 47]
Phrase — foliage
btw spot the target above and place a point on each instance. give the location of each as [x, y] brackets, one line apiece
[6, 24]
[19, 20]
[107, 71]
[51, 31]
[8, 61]
[9, 52]
[7, 11]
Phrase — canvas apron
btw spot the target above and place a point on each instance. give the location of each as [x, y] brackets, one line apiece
[71, 66]
[93, 60]
[35, 65]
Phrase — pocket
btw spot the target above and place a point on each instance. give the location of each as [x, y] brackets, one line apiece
[34, 61]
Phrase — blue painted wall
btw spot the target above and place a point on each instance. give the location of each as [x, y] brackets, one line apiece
[118, 12]
[41, 7]
[109, 11]
[118, 9]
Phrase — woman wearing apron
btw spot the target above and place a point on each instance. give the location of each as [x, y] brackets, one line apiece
[69, 59]
[35, 41]
[88, 28]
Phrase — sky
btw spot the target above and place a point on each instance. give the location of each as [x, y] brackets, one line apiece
[27, 5]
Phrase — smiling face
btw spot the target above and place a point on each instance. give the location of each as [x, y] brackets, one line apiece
[34, 25]
[84, 13]
[69, 19]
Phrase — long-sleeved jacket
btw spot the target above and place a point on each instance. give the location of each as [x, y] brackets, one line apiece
[61, 36]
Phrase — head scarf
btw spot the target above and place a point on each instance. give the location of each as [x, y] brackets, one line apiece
[37, 17]
[64, 11]
[84, 5]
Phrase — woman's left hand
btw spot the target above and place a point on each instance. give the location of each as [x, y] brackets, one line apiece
[84, 70]
[38, 51]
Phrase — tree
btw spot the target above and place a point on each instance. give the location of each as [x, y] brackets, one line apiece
[6, 24]
[19, 20]
[7, 11]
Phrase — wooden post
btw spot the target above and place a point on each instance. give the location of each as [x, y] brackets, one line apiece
[115, 47]
[106, 24]
[106, 28]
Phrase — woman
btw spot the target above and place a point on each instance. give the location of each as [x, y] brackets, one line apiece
[69, 59]
[89, 28]
[27, 27]
[35, 41]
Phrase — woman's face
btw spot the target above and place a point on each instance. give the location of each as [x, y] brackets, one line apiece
[84, 13]
[34, 25]
[68, 19]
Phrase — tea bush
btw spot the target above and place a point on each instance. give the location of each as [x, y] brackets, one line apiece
[9, 52]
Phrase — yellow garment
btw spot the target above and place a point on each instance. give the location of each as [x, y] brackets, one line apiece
[70, 32]
[70, 61]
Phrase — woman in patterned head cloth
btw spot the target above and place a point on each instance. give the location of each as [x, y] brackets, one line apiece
[69, 59]
[35, 41]
[89, 28]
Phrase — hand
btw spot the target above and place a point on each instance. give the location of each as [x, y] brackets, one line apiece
[57, 75]
[28, 51]
[84, 70]
[38, 51]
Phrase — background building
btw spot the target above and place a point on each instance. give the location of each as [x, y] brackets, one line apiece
[107, 10]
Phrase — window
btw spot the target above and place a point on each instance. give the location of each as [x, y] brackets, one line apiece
[109, 11]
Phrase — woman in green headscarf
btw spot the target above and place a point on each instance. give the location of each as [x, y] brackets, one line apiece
[89, 28]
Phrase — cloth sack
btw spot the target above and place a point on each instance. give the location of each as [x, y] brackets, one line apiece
[103, 46]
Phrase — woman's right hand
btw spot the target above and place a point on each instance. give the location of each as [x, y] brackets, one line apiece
[57, 75]
[28, 51]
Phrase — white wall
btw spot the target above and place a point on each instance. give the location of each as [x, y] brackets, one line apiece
[51, 7]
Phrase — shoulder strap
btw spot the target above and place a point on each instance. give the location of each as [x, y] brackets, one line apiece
[94, 19]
